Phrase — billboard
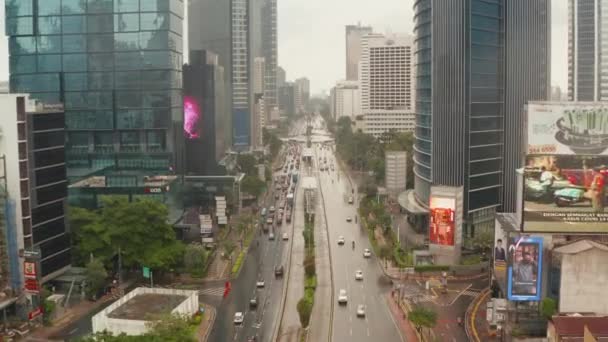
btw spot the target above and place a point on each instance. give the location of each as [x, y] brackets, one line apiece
[442, 220]
[565, 193]
[192, 118]
[567, 128]
[525, 268]
[566, 167]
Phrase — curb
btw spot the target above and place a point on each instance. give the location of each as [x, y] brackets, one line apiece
[469, 320]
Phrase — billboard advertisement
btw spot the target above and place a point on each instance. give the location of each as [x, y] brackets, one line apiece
[525, 268]
[192, 118]
[565, 193]
[567, 128]
[442, 220]
[241, 128]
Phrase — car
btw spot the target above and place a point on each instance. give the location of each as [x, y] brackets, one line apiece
[349, 219]
[350, 200]
[260, 283]
[341, 240]
[360, 310]
[253, 303]
[271, 236]
[278, 271]
[239, 318]
[285, 237]
[342, 297]
[367, 253]
[359, 275]
[252, 339]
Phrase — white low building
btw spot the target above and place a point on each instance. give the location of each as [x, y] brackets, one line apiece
[132, 313]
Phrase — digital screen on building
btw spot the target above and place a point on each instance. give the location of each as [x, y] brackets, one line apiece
[441, 222]
[192, 118]
[566, 168]
[525, 269]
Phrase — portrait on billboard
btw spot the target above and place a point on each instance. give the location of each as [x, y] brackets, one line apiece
[192, 118]
[525, 260]
[441, 221]
[563, 190]
[567, 128]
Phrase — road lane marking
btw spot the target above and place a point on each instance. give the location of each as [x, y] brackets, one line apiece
[351, 331]
[368, 334]
[385, 305]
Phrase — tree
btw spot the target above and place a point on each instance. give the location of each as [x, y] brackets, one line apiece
[195, 259]
[89, 236]
[247, 164]
[385, 253]
[483, 241]
[422, 317]
[548, 307]
[228, 247]
[167, 328]
[252, 185]
[139, 229]
[368, 186]
[96, 276]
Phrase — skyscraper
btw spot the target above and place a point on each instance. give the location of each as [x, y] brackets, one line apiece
[116, 65]
[587, 61]
[302, 85]
[281, 77]
[387, 83]
[478, 63]
[353, 49]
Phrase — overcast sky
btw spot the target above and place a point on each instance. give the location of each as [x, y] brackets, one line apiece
[312, 43]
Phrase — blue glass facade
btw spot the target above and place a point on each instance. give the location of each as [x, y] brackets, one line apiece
[116, 66]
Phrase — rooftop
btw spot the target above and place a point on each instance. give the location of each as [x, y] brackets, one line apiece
[146, 181]
[140, 306]
[575, 325]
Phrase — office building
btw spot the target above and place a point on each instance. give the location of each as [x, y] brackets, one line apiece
[354, 33]
[33, 146]
[302, 94]
[345, 100]
[587, 61]
[116, 65]
[395, 171]
[281, 77]
[387, 83]
[204, 113]
[474, 78]
[268, 38]
[241, 67]
[287, 99]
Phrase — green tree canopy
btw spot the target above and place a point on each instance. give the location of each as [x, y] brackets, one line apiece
[140, 229]
[252, 185]
[422, 317]
[96, 277]
[247, 164]
[168, 328]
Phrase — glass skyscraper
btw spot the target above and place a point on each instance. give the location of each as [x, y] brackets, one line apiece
[116, 66]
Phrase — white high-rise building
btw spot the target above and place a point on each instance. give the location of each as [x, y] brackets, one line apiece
[302, 89]
[353, 49]
[387, 83]
[395, 171]
[346, 100]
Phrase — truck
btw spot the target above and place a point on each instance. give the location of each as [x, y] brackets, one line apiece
[294, 177]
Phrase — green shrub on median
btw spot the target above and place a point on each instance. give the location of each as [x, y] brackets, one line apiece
[304, 310]
[431, 268]
[310, 282]
[237, 264]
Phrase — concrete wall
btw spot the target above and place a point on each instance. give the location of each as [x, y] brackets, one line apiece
[583, 280]
[102, 322]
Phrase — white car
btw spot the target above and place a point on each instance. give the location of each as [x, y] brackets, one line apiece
[341, 240]
[359, 275]
[342, 297]
[350, 200]
[349, 219]
[238, 318]
[259, 283]
[361, 310]
[285, 237]
[367, 253]
[271, 236]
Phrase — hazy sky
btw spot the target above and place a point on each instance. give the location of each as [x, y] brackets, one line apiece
[312, 43]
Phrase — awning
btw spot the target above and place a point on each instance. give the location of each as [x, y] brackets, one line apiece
[407, 200]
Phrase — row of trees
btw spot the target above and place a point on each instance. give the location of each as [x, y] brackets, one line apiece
[364, 152]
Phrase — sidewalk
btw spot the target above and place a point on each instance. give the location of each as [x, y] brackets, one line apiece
[207, 323]
[477, 327]
[399, 316]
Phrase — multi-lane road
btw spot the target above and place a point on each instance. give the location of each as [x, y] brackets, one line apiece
[378, 323]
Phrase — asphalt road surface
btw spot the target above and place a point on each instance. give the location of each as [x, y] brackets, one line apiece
[378, 323]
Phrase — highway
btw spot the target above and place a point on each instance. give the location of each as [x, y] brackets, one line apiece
[378, 323]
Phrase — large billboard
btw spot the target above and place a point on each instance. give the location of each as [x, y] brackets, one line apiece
[525, 269]
[566, 168]
[442, 220]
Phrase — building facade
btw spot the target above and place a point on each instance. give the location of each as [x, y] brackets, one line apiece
[287, 99]
[33, 143]
[396, 171]
[345, 100]
[387, 83]
[203, 113]
[478, 63]
[281, 77]
[587, 61]
[117, 68]
[353, 49]
[302, 85]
